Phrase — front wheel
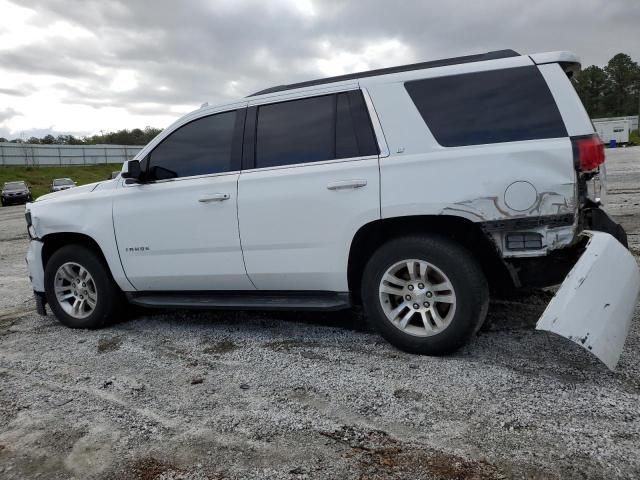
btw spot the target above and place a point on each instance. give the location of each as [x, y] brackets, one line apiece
[425, 294]
[80, 290]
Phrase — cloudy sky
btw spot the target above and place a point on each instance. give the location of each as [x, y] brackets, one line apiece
[81, 66]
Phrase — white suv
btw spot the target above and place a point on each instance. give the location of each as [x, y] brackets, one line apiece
[412, 190]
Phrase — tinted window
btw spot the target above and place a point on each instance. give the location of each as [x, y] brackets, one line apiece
[488, 107]
[346, 141]
[62, 181]
[296, 132]
[367, 144]
[314, 129]
[200, 147]
[15, 186]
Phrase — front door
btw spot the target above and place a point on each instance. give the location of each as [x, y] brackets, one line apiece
[178, 229]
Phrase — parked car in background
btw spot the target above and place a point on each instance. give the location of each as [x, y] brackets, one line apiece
[62, 184]
[413, 190]
[14, 193]
[114, 174]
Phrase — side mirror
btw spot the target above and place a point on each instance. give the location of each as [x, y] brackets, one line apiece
[131, 169]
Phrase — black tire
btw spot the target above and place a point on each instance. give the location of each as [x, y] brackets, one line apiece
[110, 300]
[462, 269]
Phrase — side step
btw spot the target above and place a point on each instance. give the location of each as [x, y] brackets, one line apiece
[250, 300]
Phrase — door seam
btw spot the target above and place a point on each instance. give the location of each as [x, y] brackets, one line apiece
[239, 233]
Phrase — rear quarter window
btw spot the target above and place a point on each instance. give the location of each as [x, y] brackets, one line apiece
[497, 106]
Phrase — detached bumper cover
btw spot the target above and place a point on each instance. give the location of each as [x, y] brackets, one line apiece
[595, 303]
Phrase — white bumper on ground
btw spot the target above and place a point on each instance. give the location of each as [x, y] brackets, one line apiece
[34, 265]
[595, 304]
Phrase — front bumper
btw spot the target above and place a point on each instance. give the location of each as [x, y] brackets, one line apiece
[15, 199]
[595, 303]
[36, 274]
[34, 265]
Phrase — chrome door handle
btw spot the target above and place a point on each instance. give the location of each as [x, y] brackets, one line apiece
[344, 184]
[214, 197]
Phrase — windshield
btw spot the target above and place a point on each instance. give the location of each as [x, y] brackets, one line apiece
[62, 181]
[14, 186]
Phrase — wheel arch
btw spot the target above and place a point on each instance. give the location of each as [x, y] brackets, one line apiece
[459, 229]
[54, 241]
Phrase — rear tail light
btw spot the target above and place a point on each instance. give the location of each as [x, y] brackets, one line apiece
[588, 152]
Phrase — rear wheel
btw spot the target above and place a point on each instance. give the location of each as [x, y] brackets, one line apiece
[80, 290]
[425, 294]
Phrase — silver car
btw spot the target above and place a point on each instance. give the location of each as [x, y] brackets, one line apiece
[62, 184]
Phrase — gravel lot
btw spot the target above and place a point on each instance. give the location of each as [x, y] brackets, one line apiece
[267, 395]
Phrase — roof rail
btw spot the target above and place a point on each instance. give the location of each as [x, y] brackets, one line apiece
[402, 68]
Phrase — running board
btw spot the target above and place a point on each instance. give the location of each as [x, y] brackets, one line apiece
[242, 300]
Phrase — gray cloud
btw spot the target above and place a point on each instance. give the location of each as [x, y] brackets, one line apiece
[184, 53]
[7, 114]
[18, 91]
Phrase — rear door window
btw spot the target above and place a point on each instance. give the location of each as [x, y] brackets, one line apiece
[488, 107]
[314, 129]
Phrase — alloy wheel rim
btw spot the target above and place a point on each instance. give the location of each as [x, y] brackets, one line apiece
[417, 297]
[75, 290]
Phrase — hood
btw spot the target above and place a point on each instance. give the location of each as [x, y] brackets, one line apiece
[69, 192]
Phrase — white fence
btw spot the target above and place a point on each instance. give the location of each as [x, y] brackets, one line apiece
[59, 155]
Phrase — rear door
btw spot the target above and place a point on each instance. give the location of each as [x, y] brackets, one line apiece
[310, 180]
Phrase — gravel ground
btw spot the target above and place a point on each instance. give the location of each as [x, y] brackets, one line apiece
[269, 395]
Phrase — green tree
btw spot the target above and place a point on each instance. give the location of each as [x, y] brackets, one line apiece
[591, 84]
[48, 139]
[621, 96]
[33, 140]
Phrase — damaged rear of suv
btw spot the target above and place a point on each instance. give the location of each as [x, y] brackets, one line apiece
[414, 190]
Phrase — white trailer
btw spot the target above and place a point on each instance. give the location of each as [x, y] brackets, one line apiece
[633, 121]
[617, 130]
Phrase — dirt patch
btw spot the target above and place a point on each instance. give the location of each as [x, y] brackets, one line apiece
[403, 394]
[219, 348]
[109, 344]
[415, 463]
[150, 469]
[15, 313]
[381, 457]
[289, 345]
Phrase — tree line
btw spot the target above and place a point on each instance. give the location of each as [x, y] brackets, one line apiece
[610, 91]
[125, 136]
